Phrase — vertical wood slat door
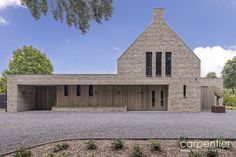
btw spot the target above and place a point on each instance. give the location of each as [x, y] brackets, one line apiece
[207, 98]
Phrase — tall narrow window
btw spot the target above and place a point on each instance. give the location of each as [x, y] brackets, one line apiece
[148, 63]
[158, 63]
[153, 98]
[184, 92]
[78, 90]
[168, 63]
[66, 93]
[162, 98]
[90, 90]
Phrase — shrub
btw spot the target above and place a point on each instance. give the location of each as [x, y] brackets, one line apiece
[23, 153]
[60, 147]
[155, 146]
[50, 155]
[117, 144]
[91, 156]
[195, 154]
[230, 100]
[91, 145]
[212, 152]
[63, 155]
[183, 142]
[137, 151]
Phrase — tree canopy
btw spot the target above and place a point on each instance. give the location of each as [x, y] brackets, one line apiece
[76, 13]
[26, 60]
[229, 74]
[211, 75]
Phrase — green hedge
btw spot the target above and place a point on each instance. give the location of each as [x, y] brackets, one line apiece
[230, 100]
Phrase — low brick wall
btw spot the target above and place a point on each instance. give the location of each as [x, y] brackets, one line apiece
[3, 100]
[89, 109]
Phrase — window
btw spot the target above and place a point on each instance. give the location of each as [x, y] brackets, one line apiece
[158, 63]
[168, 63]
[162, 98]
[90, 90]
[153, 98]
[66, 90]
[78, 90]
[184, 91]
[148, 63]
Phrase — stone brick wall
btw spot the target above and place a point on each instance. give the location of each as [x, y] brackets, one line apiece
[159, 37]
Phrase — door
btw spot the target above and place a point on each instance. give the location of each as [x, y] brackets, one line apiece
[207, 98]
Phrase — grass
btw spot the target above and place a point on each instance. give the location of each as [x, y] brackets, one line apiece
[230, 107]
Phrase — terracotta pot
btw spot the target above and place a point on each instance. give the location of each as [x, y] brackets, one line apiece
[218, 109]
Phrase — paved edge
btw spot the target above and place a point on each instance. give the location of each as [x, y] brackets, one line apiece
[101, 139]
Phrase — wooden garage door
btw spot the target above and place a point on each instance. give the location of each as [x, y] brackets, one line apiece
[207, 98]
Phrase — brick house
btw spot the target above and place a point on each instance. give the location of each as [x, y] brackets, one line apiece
[158, 72]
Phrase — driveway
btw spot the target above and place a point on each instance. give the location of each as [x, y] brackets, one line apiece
[31, 128]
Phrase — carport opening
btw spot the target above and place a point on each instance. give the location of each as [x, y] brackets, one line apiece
[36, 97]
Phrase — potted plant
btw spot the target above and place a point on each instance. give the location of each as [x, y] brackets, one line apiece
[219, 94]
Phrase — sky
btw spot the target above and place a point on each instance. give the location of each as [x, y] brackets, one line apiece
[208, 27]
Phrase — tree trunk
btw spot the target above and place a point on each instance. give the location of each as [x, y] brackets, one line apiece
[233, 90]
[217, 101]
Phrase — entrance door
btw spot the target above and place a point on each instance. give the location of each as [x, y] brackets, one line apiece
[158, 98]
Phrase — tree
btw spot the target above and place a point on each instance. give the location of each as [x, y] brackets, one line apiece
[26, 60]
[219, 93]
[3, 83]
[76, 13]
[229, 74]
[211, 75]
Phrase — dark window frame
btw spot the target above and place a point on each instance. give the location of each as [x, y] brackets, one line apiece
[90, 90]
[162, 98]
[153, 98]
[66, 90]
[185, 91]
[168, 64]
[78, 90]
[159, 64]
[149, 64]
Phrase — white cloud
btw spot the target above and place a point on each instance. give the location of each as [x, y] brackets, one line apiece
[3, 21]
[214, 58]
[117, 49]
[7, 3]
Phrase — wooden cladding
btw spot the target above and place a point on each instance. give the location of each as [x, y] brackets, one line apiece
[135, 97]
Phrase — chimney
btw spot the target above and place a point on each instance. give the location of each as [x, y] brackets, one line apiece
[158, 14]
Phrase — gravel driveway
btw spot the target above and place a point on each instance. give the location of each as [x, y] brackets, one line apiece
[31, 128]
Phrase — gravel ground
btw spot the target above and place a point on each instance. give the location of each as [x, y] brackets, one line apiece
[32, 128]
[169, 148]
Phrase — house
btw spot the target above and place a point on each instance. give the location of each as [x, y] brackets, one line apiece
[158, 72]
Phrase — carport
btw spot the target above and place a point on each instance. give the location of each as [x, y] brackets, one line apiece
[36, 97]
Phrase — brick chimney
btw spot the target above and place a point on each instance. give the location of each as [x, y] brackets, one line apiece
[158, 14]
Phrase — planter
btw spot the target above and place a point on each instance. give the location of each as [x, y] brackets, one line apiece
[218, 109]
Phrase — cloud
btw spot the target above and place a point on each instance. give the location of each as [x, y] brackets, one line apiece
[117, 49]
[3, 21]
[214, 58]
[8, 3]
